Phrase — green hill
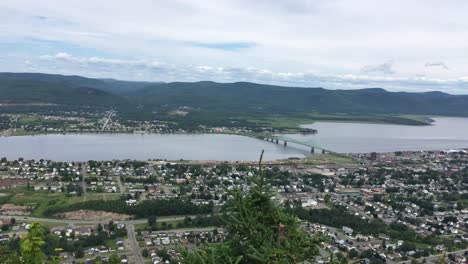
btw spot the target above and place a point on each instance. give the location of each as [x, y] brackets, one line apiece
[26, 91]
[211, 102]
[252, 97]
[107, 85]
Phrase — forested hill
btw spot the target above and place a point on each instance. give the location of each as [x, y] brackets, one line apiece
[107, 85]
[42, 92]
[243, 96]
[232, 98]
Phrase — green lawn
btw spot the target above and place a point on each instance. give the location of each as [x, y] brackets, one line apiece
[30, 120]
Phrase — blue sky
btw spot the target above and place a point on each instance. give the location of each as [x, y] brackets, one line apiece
[418, 45]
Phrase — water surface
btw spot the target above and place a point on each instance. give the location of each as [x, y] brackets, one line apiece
[83, 147]
[445, 133]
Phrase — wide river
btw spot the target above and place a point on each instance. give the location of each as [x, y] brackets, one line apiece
[445, 133]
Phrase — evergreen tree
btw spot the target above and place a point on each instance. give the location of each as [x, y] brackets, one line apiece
[151, 220]
[9, 252]
[114, 259]
[259, 231]
[145, 253]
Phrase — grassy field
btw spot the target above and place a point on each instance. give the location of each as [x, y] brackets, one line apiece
[41, 200]
[329, 159]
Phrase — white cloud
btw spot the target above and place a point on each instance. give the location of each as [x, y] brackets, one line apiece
[61, 55]
[386, 68]
[292, 39]
[437, 64]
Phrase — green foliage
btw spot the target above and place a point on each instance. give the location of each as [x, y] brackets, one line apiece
[338, 217]
[34, 91]
[151, 220]
[114, 259]
[10, 252]
[79, 253]
[353, 253]
[144, 209]
[228, 104]
[259, 231]
[243, 96]
[31, 245]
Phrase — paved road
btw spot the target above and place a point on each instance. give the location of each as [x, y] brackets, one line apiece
[121, 186]
[435, 258]
[67, 221]
[83, 182]
[134, 244]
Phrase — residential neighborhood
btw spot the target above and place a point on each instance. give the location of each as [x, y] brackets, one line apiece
[375, 208]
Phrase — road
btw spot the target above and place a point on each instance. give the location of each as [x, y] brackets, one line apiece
[129, 223]
[108, 119]
[435, 258]
[121, 186]
[134, 244]
[83, 182]
[68, 221]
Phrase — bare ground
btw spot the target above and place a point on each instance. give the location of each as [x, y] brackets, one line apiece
[93, 215]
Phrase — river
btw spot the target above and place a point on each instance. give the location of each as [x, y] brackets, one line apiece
[83, 147]
[445, 133]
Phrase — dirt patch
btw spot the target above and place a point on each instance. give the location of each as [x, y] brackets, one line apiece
[93, 215]
[11, 209]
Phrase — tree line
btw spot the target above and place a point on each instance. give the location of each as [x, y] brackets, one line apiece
[144, 209]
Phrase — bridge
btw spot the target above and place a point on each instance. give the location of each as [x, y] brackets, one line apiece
[285, 139]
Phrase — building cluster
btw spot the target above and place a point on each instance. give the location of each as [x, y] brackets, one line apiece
[390, 206]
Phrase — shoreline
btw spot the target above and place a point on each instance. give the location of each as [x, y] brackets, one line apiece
[428, 121]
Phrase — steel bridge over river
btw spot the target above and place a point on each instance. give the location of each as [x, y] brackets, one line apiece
[284, 139]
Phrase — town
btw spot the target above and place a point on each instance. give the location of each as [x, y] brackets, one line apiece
[399, 207]
[79, 120]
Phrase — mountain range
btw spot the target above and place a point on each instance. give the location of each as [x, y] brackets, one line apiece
[205, 96]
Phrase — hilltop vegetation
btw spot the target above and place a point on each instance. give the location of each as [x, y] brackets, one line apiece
[42, 92]
[252, 97]
[223, 104]
[106, 85]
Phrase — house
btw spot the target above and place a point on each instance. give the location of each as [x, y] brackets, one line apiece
[348, 231]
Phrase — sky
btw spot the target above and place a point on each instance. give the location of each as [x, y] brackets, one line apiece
[398, 45]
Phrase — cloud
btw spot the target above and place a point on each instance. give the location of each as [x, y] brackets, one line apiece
[285, 41]
[97, 61]
[41, 17]
[386, 68]
[436, 64]
[228, 46]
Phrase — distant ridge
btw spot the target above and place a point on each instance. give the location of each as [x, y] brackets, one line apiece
[239, 98]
